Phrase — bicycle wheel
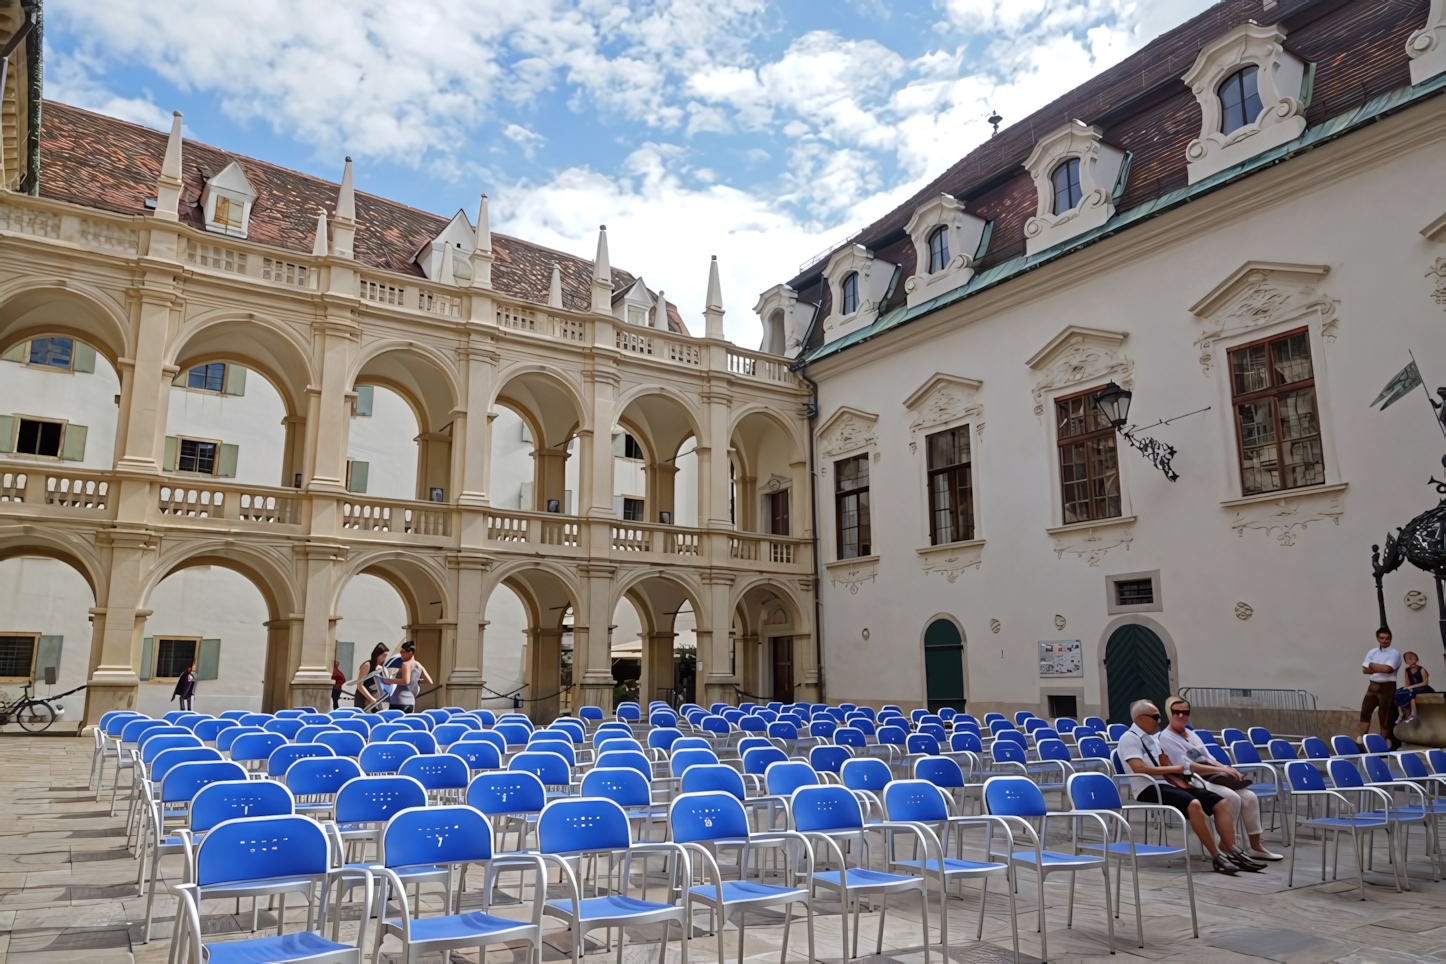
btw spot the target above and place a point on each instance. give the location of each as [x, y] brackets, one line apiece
[35, 716]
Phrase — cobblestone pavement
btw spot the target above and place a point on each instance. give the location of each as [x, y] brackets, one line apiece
[68, 893]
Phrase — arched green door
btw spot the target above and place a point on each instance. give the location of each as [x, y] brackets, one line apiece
[1136, 668]
[944, 665]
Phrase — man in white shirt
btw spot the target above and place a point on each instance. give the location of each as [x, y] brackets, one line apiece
[1381, 664]
[1139, 750]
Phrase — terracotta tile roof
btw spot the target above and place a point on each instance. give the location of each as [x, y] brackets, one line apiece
[100, 162]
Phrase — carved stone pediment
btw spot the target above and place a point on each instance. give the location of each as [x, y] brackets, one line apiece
[944, 398]
[846, 430]
[950, 561]
[853, 573]
[1286, 514]
[1091, 540]
[1262, 293]
[1077, 355]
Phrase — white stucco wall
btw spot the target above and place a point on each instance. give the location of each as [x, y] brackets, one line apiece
[387, 441]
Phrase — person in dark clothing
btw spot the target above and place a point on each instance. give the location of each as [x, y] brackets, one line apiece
[368, 691]
[338, 680]
[186, 688]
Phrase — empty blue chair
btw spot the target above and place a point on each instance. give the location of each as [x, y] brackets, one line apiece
[514, 733]
[550, 768]
[477, 755]
[448, 733]
[423, 741]
[382, 758]
[235, 714]
[936, 730]
[440, 716]
[630, 790]
[756, 761]
[921, 744]
[283, 757]
[681, 760]
[363, 805]
[487, 736]
[390, 715]
[1281, 750]
[707, 777]
[309, 733]
[850, 736]
[315, 781]
[286, 727]
[1115, 730]
[591, 714]
[381, 732]
[663, 738]
[444, 776]
[255, 719]
[360, 725]
[516, 796]
[290, 714]
[1338, 816]
[716, 725]
[822, 728]
[417, 722]
[1314, 748]
[1231, 735]
[226, 737]
[1032, 723]
[828, 759]
[629, 712]
[1259, 735]
[1375, 743]
[965, 741]
[469, 721]
[343, 742]
[208, 730]
[256, 747]
[668, 719]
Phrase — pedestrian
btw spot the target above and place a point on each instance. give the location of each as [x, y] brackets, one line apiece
[186, 687]
[368, 690]
[405, 673]
[1418, 681]
[338, 680]
[1381, 664]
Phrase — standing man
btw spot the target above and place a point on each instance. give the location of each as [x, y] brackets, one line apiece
[1381, 665]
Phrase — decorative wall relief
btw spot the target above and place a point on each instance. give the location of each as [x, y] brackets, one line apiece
[1092, 542]
[1079, 355]
[853, 573]
[1243, 610]
[846, 430]
[994, 625]
[1058, 622]
[942, 399]
[1287, 516]
[1261, 293]
[1438, 271]
[952, 560]
[1415, 600]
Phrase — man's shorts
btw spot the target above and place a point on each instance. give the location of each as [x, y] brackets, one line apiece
[1180, 798]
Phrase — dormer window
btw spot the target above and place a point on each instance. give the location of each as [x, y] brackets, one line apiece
[938, 249]
[1239, 99]
[447, 258]
[226, 201]
[850, 299]
[229, 214]
[1066, 186]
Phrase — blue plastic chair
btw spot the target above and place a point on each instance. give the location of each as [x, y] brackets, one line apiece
[1229, 736]
[822, 729]
[1338, 816]
[922, 802]
[360, 725]
[630, 790]
[592, 714]
[757, 760]
[364, 805]
[707, 778]
[283, 757]
[417, 723]
[629, 712]
[551, 768]
[663, 738]
[294, 858]
[1097, 793]
[381, 732]
[286, 727]
[1116, 730]
[293, 713]
[256, 748]
[444, 776]
[717, 819]
[867, 777]
[1314, 748]
[230, 735]
[1259, 735]
[1281, 750]
[107, 743]
[828, 759]
[827, 816]
[256, 719]
[207, 730]
[343, 742]
[309, 732]
[557, 743]
[585, 826]
[516, 796]
[488, 736]
[315, 782]
[1019, 801]
[448, 733]
[681, 760]
[423, 741]
[439, 839]
[377, 759]
[477, 755]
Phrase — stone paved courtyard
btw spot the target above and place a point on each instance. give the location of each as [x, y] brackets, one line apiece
[68, 893]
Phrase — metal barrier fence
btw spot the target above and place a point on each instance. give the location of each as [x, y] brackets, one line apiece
[1284, 712]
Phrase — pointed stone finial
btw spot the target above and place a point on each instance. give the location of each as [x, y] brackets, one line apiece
[484, 227]
[343, 230]
[168, 185]
[713, 310]
[482, 248]
[602, 274]
[319, 245]
[660, 312]
[554, 291]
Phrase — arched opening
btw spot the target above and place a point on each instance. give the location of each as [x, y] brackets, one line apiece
[45, 622]
[660, 463]
[413, 606]
[772, 648]
[654, 637]
[370, 611]
[773, 334]
[767, 464]
[58, 408]
[505, 646]
[384, 446]
[944, 666]
[548, 421]
[549, 606]
[429, 386]
[64, 310]
[1137, 667]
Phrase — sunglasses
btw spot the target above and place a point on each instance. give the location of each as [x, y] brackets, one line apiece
[1151, 716]
[1179, 712]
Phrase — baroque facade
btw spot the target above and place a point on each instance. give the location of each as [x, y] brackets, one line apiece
[163, 258]
[1244, 224]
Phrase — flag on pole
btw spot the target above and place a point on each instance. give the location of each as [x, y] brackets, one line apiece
[1399, 387]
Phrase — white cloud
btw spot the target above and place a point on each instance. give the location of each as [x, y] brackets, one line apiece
[528, 141]
[73, 80]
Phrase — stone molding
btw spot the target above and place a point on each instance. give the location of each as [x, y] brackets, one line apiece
[1285, 514]
[1091, 540]
[846, 430]
[964, 232]
[943, 399]
[1100, 165]
[1077, 355]
[874, 277]
[1260, 294]
[853, 573]
[952, 559]
[1427, 47]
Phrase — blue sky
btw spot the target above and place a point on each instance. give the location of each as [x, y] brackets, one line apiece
[761, 131]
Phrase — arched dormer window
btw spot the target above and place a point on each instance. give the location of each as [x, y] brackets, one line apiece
[939, 249]
[850, 288]
[1239, 99]
[1066, 186]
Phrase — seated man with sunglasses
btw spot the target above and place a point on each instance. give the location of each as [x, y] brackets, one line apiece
[1139, 749]
[1180, 743]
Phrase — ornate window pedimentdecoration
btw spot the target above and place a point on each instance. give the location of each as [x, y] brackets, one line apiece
[1091, 540]
[874, 278]
[1280, 79]
[952, 560]
[785, 321]
[943, 399]
[1286, 514]
[1427, 47]
[1100, 166]
[963, 231]
[1076, 355]
[1260, 294]
[847, 430]
[853, 573]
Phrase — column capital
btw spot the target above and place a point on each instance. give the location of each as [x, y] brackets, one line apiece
[716, 577]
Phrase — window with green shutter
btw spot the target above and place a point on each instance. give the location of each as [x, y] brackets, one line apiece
[148, 657]
[208, 659]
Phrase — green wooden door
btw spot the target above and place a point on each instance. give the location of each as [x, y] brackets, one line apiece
[944, 665]
[1136, 668]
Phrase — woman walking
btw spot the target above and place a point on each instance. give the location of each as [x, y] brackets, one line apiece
[406, 678]
[369, 691]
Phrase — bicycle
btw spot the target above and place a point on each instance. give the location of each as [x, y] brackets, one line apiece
[34, 714]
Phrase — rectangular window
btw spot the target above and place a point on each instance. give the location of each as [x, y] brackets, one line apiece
[631, 448]
[229, 212]
[1089, 469]
[637, 316]
[1272, 385]
[198, 457]
[17, 657]
[37, 437]
[207, 378]
[778, 522]
[174, 657]
[1135, 592]
[951, 487]
[851, 507]
[52, 352]
[633, 510]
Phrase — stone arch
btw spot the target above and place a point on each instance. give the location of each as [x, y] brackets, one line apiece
[686, 405]
[765, 451]
[409, 369]
[939, 669]
[416, 577]
[1163, 634]
[549, 405]
[546, 590]
[662, 421]
[66, 309]
[789, 429]
[658, 595]
[758, 603]
[66, 547]
[264, 345]
[268, 569]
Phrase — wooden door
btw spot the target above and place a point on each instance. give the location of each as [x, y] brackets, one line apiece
[1136, 668]
[783, 669]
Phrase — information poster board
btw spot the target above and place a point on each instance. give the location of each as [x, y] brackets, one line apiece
[1060, 658]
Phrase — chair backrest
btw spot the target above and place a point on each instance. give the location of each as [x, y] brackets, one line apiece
[626, 758]
[866, 773]
[1093, 791]
[756, 761]
[828, 759]
[382, 732]
[487, 736]
[850, 736]
[1013, 797]
[917, 801]
[418, 723]
[321, 776]
[290, 714]
[892, 735]
[1303, 776]
[936, 730]
[261, 848]
[440, 715]
[547, 766]
[226, 737]
[663, 737]
[235, 714]
[941, 771]
[506, 791]
[283, 757]
[390, 715]
[966, 741]
[590, 713]
[1013, 736]
[823, 728]
[309, 733]
[821, 809]
[1315, 749]
[255, 746]
[1007, 751]
[1259, 735]
[568, 723]
[1065, 724]
[1205, 735]
[711, 777]
[1344, 745]
[612, 741]
[1282, 750]
[1218, 752]
[225, 800]
[1094, 748]
[1032, 723]
[342, 742]
[1052, 749]
[448, 733]
[785, 776]
[753, 724]
[786, 730]
[314, 719]
[185, 778]
[661, 719]
[431, 836]
[163, 732]
[622, 785]
[1116, 730]
[681, 760]
[1413, 766]
[162, 762]
[469, 722]
[999, 724]
[1231, 735]
[379, 758]
[1438, 761]
[514, 733]
[716, 724]
[1244, 752]
[487, 718]
[922, 743]
[476, 754]
[1044, 733]
[424, 742]
[1375, 743]
[947, 713]
[550, 736]
[1098, 722]
[1344, 774]
[343, 711]
[707, 815]
[437, 771]
[373, 799]
[1377, 769]
[629, 711]
[578, 825]
[360, 725]
[287, 727]
[256, 719]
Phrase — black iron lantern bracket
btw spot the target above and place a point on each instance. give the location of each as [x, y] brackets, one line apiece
[1113, 403]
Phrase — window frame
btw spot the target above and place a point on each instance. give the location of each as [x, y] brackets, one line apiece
[1253, 70]
[641, 456]
[864, 545]
[641, 509]
[938, 245]
[963, 533]
[849, 289]
[1073, 189]
[60, 446]
[181, 441]
[30, 354]
[204, 389]
[34, 654]
[771, 501]
[195, 642]
[1108, 431]
[1275, 391]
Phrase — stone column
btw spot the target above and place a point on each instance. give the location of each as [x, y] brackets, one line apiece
[472, 445]
[119, 623]
[312, 654]
[429, 637]
[293, 455]
[544, 659]
[713, 461]
[283, 641]
[338, 340]
[549, 478]
[597, 468]
[657, 674]
[715, 625]
[592, 662]
[464, 677]
[661, 494]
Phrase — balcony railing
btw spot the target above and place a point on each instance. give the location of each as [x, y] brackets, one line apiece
[763, 367]
[374, 516]
[774, 551]
[76, 492]
[546, 529]
[242, 503]
[654, 343]
[667, 541]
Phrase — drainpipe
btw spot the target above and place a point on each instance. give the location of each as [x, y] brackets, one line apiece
[813, 520]
[33, 52]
